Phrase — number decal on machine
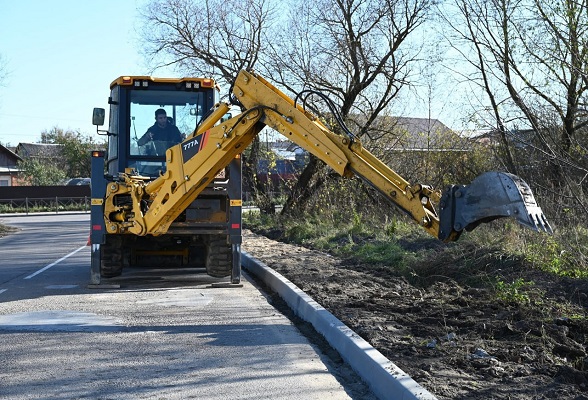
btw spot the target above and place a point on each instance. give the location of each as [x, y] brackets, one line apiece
[191, 147]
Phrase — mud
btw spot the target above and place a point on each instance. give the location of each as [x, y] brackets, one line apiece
[457, 341]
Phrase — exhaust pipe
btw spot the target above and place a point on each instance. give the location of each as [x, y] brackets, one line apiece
[490, 196]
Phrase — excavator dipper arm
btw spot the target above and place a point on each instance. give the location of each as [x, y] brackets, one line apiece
[192, 164]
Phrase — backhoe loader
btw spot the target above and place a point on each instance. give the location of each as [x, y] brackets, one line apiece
[181, 203]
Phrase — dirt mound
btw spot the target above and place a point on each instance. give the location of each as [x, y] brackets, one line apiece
[459, 342]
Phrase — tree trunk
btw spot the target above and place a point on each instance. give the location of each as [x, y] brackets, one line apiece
[303, 189]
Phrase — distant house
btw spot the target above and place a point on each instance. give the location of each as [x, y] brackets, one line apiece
[286, 149]
[8, 167]
[391, 134]
[421, 135]
[43, 152]
[288, 162]
[40, 151]
[519, 138]
[402, 134]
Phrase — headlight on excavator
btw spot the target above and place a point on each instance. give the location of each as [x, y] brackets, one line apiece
[192, 85]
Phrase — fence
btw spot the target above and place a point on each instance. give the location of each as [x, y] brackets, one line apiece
[44, 204]
[29, 199]
[37, 200]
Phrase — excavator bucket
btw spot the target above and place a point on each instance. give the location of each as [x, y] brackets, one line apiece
[490, 196]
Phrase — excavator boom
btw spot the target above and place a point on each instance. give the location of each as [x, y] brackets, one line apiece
[192, 164]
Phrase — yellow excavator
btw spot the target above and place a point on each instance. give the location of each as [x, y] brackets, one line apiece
[184, 201]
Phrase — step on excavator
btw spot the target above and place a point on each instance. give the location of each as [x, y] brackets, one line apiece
[176, 200]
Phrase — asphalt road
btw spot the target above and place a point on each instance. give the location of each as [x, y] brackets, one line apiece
[162, 334]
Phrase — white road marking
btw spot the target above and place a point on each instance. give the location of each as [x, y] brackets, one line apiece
[54, 263]
[3, 290]
[58, 320]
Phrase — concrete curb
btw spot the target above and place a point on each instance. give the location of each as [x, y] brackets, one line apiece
[384, 378]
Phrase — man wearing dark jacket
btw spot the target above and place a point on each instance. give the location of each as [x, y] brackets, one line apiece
[162, 131]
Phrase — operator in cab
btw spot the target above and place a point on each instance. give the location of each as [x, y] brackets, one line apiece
[162, 134]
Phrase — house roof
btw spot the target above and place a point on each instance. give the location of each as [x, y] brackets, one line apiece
[420, 134]
[402, 134]
[416, 126]
[518, 137]
[8, 170]
[39, 150]
[286, 149]
[8, 159]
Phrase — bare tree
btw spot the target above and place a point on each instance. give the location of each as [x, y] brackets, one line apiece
[207, 38]
[212, 38]
[530, 59]
[74, 160]
[357, 52]
[3, 70]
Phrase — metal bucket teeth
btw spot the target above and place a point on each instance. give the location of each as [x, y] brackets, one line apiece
[537, 220]
[527, 212]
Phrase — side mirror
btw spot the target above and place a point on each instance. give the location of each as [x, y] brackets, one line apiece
[98, 116]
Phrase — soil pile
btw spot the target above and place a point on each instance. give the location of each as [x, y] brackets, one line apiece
[457, 341]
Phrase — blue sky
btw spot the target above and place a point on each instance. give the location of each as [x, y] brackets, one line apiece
[61, 57]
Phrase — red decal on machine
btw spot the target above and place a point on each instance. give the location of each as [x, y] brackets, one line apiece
[203, 140]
